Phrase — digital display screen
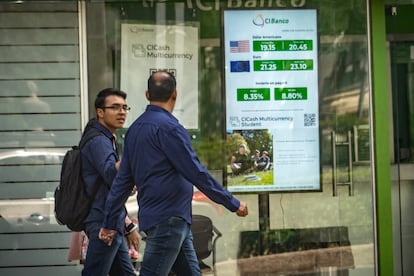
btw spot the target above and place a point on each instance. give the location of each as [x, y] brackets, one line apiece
[271, 94]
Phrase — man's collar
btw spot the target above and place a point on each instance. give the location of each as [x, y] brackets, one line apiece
[103, 129]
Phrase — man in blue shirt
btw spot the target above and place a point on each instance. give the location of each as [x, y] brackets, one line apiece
[100, 162]
[159, 160]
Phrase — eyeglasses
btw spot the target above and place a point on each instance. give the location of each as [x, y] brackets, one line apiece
[117, 107]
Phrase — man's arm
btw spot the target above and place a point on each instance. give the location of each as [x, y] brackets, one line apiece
[118, 194]
[114, 205]
[179, 151]
[131, 233]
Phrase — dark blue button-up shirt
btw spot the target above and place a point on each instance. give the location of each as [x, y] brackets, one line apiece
[159, 159]
[98, 168]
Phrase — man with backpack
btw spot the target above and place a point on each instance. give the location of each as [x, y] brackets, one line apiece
[100, 162]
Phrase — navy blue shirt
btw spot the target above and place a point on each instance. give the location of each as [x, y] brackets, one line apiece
[98, 168]
[159, 159]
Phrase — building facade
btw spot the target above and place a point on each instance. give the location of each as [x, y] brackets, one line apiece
[55, 56]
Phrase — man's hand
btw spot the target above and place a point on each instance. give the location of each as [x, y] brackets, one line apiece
[107, 235]
[242, 211]
[117, 164]
[133, 239]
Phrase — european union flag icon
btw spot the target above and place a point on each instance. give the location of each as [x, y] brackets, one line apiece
[240, 66]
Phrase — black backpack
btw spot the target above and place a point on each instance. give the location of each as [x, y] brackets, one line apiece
[72, 204]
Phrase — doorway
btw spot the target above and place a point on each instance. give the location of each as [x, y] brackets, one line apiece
[400, 40]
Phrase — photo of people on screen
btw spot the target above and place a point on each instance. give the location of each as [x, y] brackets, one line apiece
[263, 162]
[241, 162]
[250, 158]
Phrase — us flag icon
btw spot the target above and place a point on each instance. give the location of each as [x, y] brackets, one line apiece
[239, 46]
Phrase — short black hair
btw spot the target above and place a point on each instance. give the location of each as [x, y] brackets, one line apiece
[161, 86]
[100, 98]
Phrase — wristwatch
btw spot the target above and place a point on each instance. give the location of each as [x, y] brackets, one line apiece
[131, 227]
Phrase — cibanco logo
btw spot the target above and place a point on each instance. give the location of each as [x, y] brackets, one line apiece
[259, 20]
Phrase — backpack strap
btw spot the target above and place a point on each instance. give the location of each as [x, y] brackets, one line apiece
[88, 135]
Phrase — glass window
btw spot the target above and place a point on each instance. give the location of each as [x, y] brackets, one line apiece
[40, 118]
[327, 231]
[401, 78]
[331, 230]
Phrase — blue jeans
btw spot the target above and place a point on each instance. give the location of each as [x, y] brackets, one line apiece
[169, 247]
[103, 260]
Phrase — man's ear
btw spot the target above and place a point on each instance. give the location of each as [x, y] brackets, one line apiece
[174, 95]
[99, 112]
[147, 95]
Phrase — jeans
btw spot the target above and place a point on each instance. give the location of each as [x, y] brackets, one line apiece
[169, 247]
[103, 260]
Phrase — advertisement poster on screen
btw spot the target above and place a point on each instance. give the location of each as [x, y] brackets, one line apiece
[271, 94]
[146, 48]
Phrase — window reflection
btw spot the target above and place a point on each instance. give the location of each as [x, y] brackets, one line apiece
[305, 232]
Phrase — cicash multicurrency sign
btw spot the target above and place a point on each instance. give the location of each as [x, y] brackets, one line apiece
[210, 5]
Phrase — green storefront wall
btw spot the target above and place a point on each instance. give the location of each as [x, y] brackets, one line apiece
[381, 134]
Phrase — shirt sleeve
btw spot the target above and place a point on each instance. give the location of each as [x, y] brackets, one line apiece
[177, 146]
[120, 190]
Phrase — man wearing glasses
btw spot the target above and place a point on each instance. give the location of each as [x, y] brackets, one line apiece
[100, 163]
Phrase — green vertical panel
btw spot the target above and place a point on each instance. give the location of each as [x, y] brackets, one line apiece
[381, 138]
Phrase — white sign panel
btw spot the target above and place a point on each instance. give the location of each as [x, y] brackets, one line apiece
[271, 85]
[147, 48]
